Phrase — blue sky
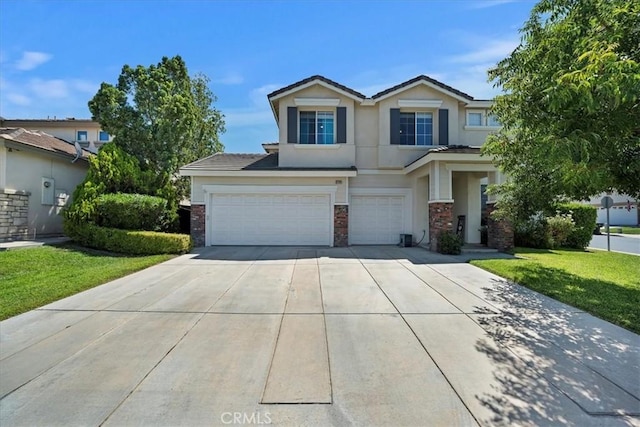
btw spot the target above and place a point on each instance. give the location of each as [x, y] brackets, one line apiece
[55, 54]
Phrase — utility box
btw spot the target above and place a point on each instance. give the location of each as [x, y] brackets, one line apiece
[406, 240]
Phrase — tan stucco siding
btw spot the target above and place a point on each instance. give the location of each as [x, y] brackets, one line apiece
[198, 195]
[367, 138]
[344, 155]
[25, 170]
[390, 156]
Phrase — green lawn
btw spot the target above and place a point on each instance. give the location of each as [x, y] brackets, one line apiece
[32, 277]
[605, 284]
[630, 230]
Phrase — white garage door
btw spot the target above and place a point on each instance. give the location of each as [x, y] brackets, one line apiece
[270, 219]
[376, 220]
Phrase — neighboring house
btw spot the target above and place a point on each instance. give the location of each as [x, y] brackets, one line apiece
[38, 173]
[86, 132]
[350, 169]
[623, 212]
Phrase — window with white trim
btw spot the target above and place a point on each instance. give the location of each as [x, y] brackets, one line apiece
[103, 136]
[82, 135]
[481, 118]
[416, 128]
[317, 127]
[474, 119]
[492, 120]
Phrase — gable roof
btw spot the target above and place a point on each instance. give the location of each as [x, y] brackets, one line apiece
[249, 162]
[421, 79]
[311, 79]
[42, 141]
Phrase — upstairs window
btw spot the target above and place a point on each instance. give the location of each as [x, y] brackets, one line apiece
[481, 118]
[82, 135]
[316, 127]
[416, 128]
[103, 136]
[492, 120]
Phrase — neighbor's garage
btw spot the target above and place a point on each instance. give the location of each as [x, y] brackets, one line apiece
[377, 219]
[270, 219]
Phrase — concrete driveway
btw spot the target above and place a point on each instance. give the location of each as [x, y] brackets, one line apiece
[299, 336]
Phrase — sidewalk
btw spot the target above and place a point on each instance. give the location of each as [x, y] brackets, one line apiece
[4, 246]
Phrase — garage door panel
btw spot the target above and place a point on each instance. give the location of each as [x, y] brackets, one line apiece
[270, 219]
[376, 219]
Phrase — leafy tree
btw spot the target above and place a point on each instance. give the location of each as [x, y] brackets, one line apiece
[160, 115]
[570, 111]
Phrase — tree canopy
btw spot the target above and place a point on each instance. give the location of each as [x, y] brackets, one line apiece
[570, 109]
[160, 115]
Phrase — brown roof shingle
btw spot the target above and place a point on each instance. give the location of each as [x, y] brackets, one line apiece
[427, 79]
[466, 149]
[41, 140]
[317, 77]
[248, 162]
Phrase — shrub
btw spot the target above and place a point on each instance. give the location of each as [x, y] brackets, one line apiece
[584, 218]
[532, 233]
[559, 228]
[133, 212]
[449, 243]
[114, 171]
[127, 241]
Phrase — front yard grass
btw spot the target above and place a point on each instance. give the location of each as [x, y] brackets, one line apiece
[630, 230]
[32, 277]
[605, 284]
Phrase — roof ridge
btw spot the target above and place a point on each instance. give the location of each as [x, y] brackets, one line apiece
[321, 78]
[426, 78]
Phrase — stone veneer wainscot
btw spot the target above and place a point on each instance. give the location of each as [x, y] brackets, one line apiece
[14, 215]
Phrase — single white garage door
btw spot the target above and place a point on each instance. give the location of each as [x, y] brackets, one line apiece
[376, 220]
[271, 219]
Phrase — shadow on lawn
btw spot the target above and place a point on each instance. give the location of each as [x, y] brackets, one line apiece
[604, 299]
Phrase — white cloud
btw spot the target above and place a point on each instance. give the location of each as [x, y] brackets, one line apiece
[31, 60]
[18, 99]
[258, 113]
[55, 88]
[229, 79]
[84, 86]
[491, 51]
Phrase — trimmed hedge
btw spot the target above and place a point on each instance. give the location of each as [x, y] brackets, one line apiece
[127, 241]
[132, 212]
[584, 218]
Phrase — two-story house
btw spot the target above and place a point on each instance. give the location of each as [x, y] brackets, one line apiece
[350, 169]
[85, 132]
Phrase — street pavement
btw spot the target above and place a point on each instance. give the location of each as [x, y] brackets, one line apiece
[627, 243]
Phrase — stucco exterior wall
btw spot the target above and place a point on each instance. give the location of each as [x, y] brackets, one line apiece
[298, 155]
[25, 171]
[198, 196]
[366, 137]
[393, 156]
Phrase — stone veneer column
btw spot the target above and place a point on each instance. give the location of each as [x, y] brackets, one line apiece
[499, 231]
[198, 225]
[440, 219]
[14, 215]
[340, 225]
